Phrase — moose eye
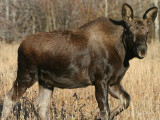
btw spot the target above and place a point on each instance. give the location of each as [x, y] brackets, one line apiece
[142, 27]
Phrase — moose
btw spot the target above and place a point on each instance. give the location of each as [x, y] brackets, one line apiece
[97, 54]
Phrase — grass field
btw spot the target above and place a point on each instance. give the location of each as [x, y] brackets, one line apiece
[142, 82]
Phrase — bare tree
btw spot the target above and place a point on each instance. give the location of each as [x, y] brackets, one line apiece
[106, 8]
[7, 9]
[140, 5]
[156, 23]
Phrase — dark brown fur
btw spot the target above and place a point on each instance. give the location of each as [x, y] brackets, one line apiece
[97, 54]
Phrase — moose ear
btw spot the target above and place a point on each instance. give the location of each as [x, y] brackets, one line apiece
[150, 14]
[127, 12]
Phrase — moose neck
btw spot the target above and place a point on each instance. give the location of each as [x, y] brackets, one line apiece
[127, 40]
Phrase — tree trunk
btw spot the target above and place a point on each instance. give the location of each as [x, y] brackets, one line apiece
[106, 8]
[14, 21]
[7, 20]
[140, 5]
[7, 10]
[14, 12]
[156, 23]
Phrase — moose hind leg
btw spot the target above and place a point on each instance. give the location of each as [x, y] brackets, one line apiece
[118, 92]
[12, 97]
[42, 102]
[24, 80]
[8, 104]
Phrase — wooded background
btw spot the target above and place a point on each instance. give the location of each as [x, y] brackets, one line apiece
[19, 18]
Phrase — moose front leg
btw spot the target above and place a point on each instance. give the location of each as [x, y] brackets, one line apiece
[118, 92]
[101, 92]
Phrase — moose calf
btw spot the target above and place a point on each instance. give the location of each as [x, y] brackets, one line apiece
[97, 54]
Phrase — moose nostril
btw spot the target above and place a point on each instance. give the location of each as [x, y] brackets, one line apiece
[143, 51]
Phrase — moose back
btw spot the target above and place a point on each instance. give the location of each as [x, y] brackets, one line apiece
[98, 54]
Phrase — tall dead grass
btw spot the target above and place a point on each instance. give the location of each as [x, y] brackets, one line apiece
[142, 82]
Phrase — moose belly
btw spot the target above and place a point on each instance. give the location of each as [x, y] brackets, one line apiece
[68, 79]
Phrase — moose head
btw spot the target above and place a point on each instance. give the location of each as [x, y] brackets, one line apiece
[136, 30]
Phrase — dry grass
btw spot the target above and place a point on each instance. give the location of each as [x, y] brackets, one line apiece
[141, 81]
